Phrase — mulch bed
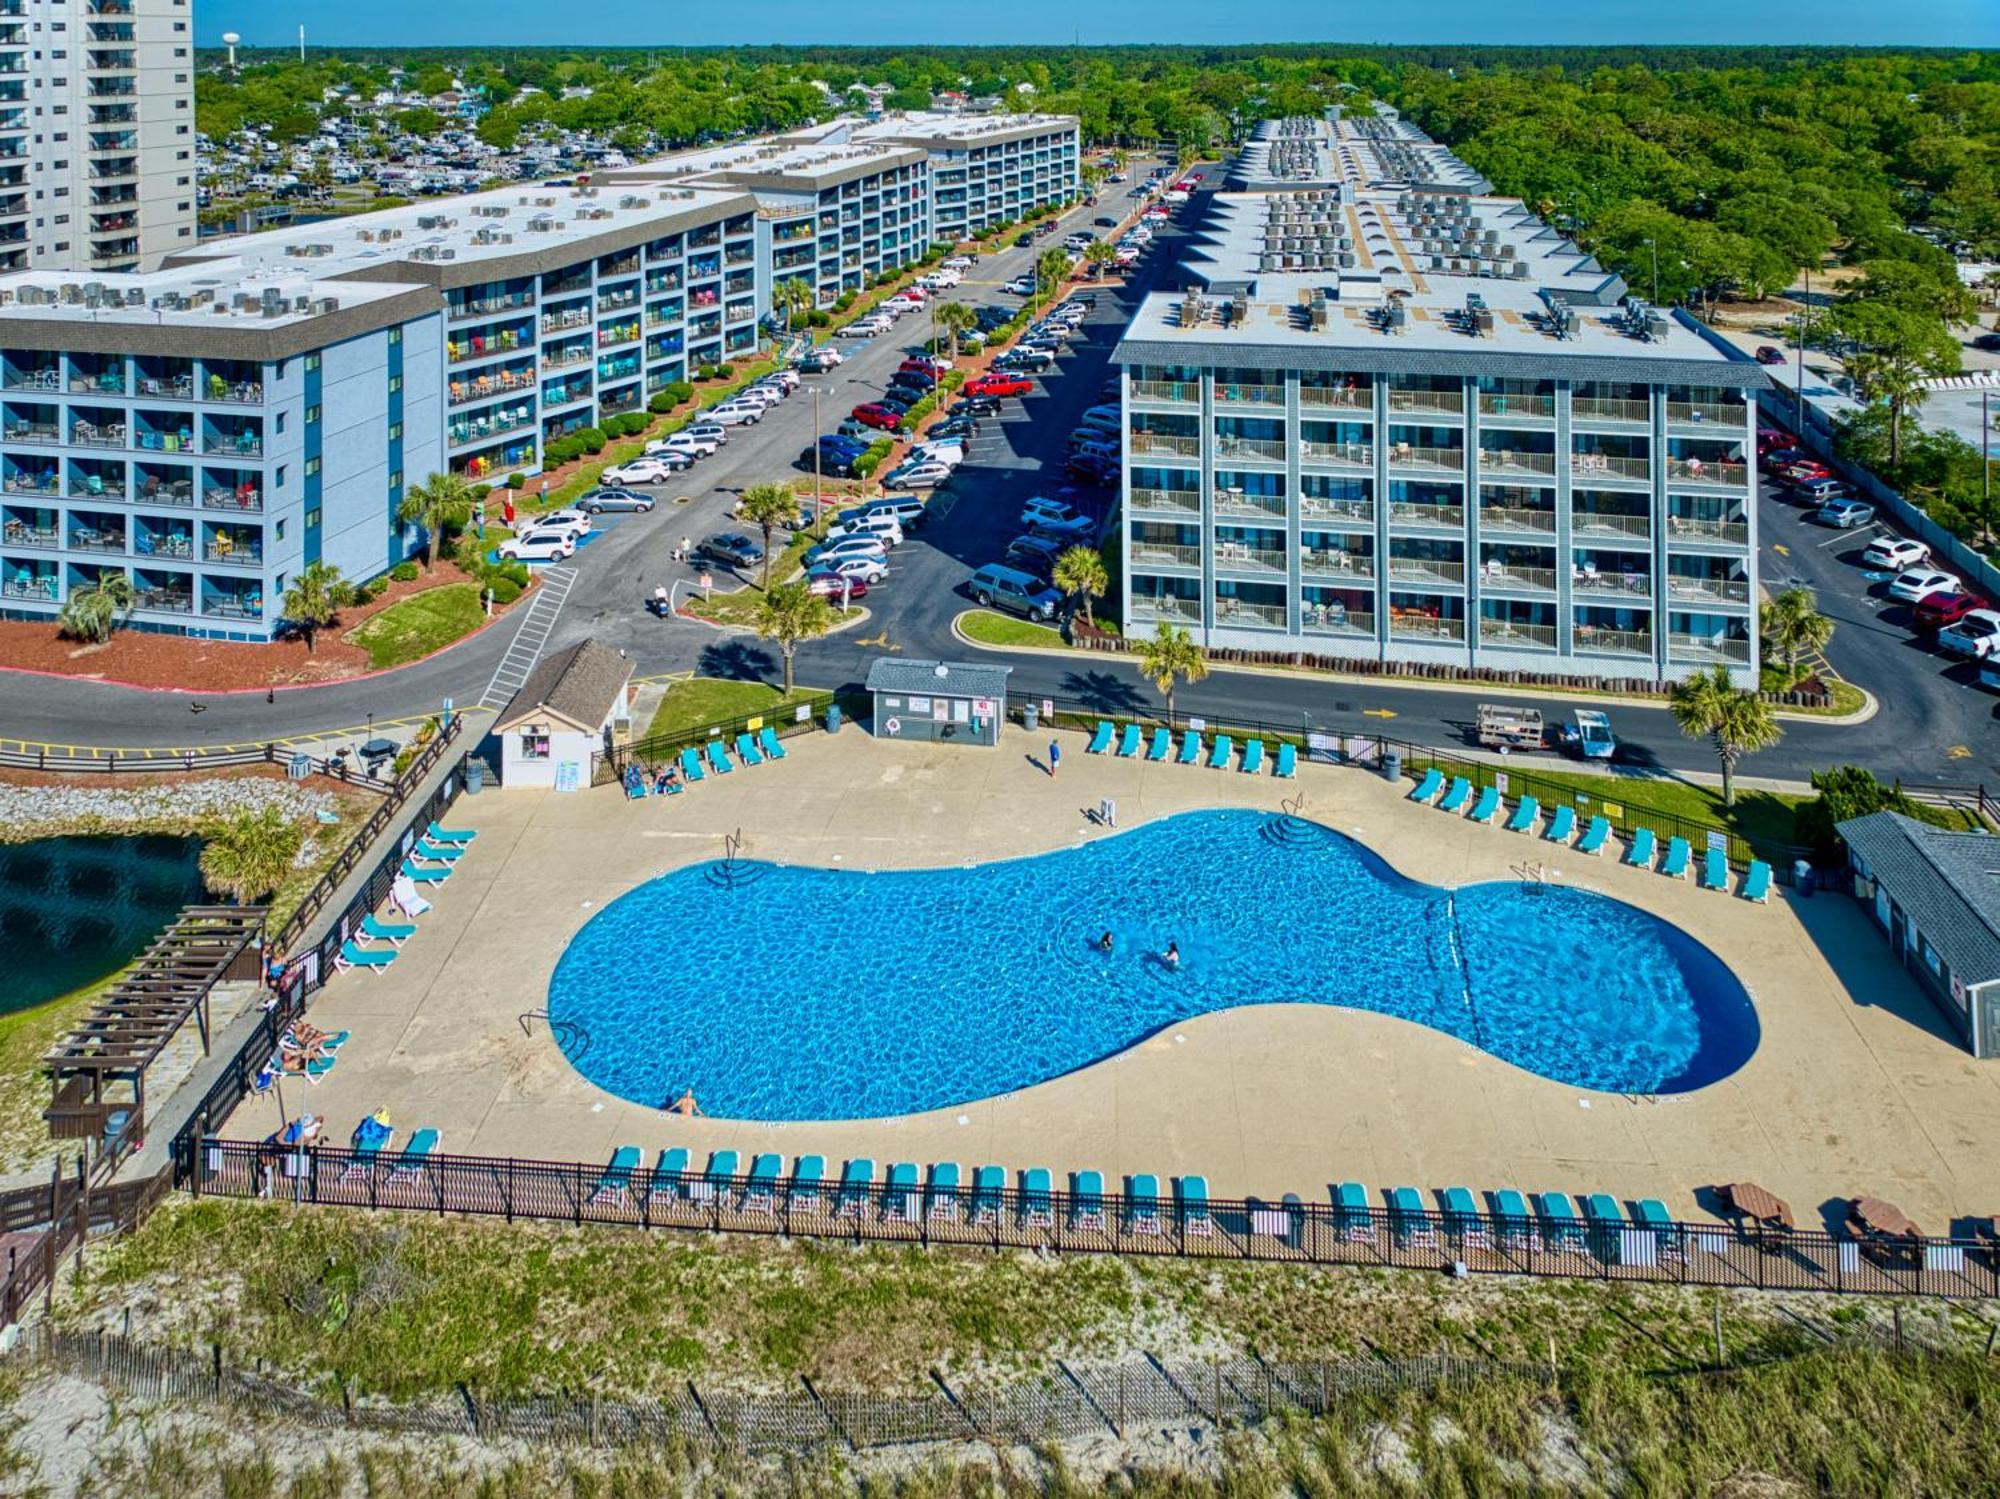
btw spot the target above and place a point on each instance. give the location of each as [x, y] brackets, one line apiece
[147, 660]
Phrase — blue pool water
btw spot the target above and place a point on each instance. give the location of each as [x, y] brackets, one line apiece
[778, 992]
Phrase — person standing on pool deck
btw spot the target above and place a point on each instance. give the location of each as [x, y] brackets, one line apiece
[1055, 758]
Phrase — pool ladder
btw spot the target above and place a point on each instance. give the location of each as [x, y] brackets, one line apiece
[571, 1037]
[1290, 828]
[731, 873]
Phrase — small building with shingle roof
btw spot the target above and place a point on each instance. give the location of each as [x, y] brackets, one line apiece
[1936, 893]
[561, 718]
[944, 700]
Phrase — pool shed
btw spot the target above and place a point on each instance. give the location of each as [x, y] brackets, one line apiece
[1936, 894]
[550, 730]
[943, 700]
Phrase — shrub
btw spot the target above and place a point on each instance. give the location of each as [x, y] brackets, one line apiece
[844, 301]
[563, 450]
[593, 440]
[515, 573]
[871, 460]
[517, 481]
[659, 403]
[680, 390]
[504, 589]
[481, 491]
[819, 317]
[404, 572]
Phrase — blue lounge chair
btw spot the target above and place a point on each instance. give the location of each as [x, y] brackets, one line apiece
[1350, 1211]
[1515, 1223]
[1640, 853]
[720, 1178]
[1675, 865]
[1565, 1229]
[1142, 1204]
[1456, 796]
[1253, 757]
[1462, 1221]
[354, 955]
[1526, 811]
[1603, 1219]
[439, 853]
[857, 1181]
[1757, 883]
[899, 1197]
[1190, 748]
[395, 933]
[1162, 745]
[1288, 762]
[410, 1164]
[451, 835]
[769, 742]
[1715, 871]
[1037, 1198]
[1100, 741]
[1193, 1194]
[1562, 825]
[1086, 1200]
[371, 1138]
[718, 758]
[989, 1189]
[1128, 742]
[1487, 805]
[691, 770]
[1218, 758]
[1595, 836]
[1651, 1213]
[808, 1177]
[747, 751]
[615, 1185]
[331, 1043]
[760, 1194]
[669, 1174]
[1412, 1225]
[427, 874]
[941, 1199]
[1427, 789]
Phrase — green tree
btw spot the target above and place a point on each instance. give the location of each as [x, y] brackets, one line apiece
[249, 855]
[317, 595]
[436, 504]
[794, 298]
[954, 320]
[1897, 350]
[1099, 254]
[1171, 656]
[1080, 573]
[1050, 268]
[423, 123]
[1793, 626]
[91, 613]
[788, 615]
[767, 507]
[1708, 705]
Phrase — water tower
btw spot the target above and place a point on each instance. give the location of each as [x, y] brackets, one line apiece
[229, 40]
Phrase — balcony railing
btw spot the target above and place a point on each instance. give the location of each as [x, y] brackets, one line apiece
[1166, 499]
[1405, 455]
[1250, 447]
[1509, 461]
[1505, 632]
[1602, 409]
[1357, 454]
[38, 432]
[1725, 532]
[1165, 443]
[1165, 553]
[556, 322]
[1586, 580]
[1610, 466]
[1511, 576]
[1494, 403]
[1182, 392]
[165, 601]
[233, 608]
[1712, 590]
[87, 540]
[18, 535]
[1719, 474]
[1172, 610]
[237, 447]
[1449, 401]
[215, 498]
[1337, 398]
[1256, 506]
[1702, 413]
[1238, 612]
[1337, 561]
[1319, 508]
[83, 435]
[1239, 556]
[1603, 642]
[234, 555]
[1408, 513]
[1609, 523]
[1512, 518]
[1707, 648]
[1412, 624]
[163, 544]
[41, 590]
[1232, 393]
[165, 492]
[1425, 570]
[463, 391]
[1332, 619]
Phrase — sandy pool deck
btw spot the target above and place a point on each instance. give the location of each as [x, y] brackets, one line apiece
[1857, 1085]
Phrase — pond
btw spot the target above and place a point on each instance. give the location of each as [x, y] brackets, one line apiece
[73, 910]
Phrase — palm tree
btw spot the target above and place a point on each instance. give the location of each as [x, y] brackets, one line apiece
[1080, 573]
[249, 856]
[92, 612]
[789, 614]
[315, 599]
[792, 297]
[1169, 655]
[1709, 705]
[954, 321]
[1099, 254]
[1050, 268]
[767, 507]
[434, 504]
[1793, 626]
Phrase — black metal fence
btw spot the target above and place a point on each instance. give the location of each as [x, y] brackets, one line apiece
[1066, 1402]
[1287, 1230]
[653, 753]
[74, 761]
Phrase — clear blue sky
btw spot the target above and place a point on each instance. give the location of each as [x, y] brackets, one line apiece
[1914, 23]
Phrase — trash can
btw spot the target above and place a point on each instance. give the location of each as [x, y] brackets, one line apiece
[1392, 765]
[475, 777]
[833, 718]
[1802, 876]
[1031, 717]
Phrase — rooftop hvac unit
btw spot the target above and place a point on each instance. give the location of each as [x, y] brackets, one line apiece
[1316, 310]
[1519, 270]
[1657, 326]
[1483, 321]
[1398, 317]
[324, 305]
[385, 235]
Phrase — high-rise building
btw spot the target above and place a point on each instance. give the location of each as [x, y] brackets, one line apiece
[1389, 414]
[97, 155]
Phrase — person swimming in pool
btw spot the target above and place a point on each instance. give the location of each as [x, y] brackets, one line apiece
[1105, 944]
[685, 1105]
[1172, 956]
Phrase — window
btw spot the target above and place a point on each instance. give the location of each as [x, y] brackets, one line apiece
[312, 518]
[280, 478]
[281, 422]
[395, 384]
[281, 537]
[281, 582]
[312, 467]
[312, 361]
[312, 415]
[535, 742]
[396, 479]
[395, 431]
[395, 335]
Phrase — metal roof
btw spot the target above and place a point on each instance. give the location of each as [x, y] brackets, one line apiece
[1374, 357]
[938, 678]
[1948, 882]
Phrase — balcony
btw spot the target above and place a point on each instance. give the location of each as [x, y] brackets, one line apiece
[1234, 502]
[165, 600]
[91, 539]
[1507, 633]
[1515, 578]
[1336, 619]
[1168, 607]
[227, 553]
[233, 392]
[1178, 392]
[1233, 612]
[1510, 518]
[1526, 407]
[1164, 444]
[1241, 556]
[1585, 579]
[1410, 513]
[1602, 642]
[1234, 393]
[1426, 570]
[40, 590]
[17, 534]
[1263, 449]
[90, 435]
[1406, 455]
[34, 432]
[557, 322]
[1447, 402]
[487, 306]
[1708, 590]
[1609, 523]
[1337, 397]
[1336, 562]
[1706, 413]
[1497, 461]
[233, 445]
[1165, 553]
[1718, 532]
[1610, 466]
[1181, 500]
[461, 392]
[1701, 474]
[1350, 454]
[1415, 624]
[1708, 648]
[1603, 409]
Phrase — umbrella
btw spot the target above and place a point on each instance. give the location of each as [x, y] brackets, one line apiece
[1884, 1218]
[1753, 1201]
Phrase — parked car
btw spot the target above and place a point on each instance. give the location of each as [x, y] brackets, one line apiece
[915, 380]
[1034, 554]
[571, 518]
[1077, 529]
[974, 406]
[863, 566]
[946, 450]
[818, 361]
[926, 364]
[1803, 471]
[685, 443]
[957, 262]
[996, 586]
[738, 413]
[846, 546]
[1105, 221]
[1770, 354]
[830, 584]
[1912, 585]
[1936, 610]
[880, 415]
[963, 427]
[1844, 513]
[922, 474]
[543, 544]
[605, 501]
[907, 510]
[1093, 468]
[759, 393]
[999, 386]
[1041, 507]
[713, 432]
[1028, 361]
[731, 549]
[657, 469]
[1820, 491]
[1976, 635]
[874, 526]
[869, 326]
[1021, 286]
[1895, 553]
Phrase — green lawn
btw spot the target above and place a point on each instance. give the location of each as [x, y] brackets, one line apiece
[991, 628]
[420, 624]
[1761, 816]
[702, 700]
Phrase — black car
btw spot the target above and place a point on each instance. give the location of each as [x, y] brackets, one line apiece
[1033, 554]
[990, 318]
[1093, 468]
[731, 550]
[974, 406]
[1105, 221]
[1025, 238]
[957, 426]
[898, 398]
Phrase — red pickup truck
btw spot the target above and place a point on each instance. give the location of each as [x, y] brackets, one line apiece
[999, 385]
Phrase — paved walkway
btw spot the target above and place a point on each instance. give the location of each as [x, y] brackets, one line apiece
[1856, 1087]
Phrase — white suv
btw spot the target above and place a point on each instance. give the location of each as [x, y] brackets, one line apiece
[544, 544]
[683, 442]
[642, 471]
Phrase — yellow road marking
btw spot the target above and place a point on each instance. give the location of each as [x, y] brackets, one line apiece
[1378, 712]
[1959, 752]
[1781, 549]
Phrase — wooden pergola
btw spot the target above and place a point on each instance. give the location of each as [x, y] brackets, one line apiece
[141, 1013]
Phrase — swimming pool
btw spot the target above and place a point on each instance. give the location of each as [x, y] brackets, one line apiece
[779, 992]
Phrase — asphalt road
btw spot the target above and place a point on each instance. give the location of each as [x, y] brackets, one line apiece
[1932, 728]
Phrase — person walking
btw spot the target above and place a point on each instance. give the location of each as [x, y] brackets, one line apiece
[1055, 758]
